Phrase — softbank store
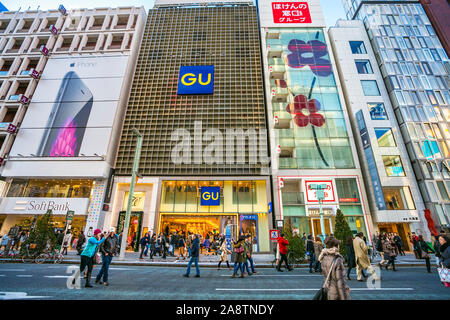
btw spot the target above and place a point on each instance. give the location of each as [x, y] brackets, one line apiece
[206, 207]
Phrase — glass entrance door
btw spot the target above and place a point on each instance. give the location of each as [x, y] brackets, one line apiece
[314, 226]
[134, 230]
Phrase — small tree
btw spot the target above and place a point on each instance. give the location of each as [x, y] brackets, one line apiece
[296, 244]
[341, 231]
[42, 233]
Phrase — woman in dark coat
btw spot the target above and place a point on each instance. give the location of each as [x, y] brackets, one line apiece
[389, 251]
[239, 250]
[351, 262]
[424, 251]
[444, 250]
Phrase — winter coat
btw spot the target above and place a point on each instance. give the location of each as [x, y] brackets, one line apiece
[110, 246]
[318, 247]
[437, 248]
[422, 246]
[239, 255]
[445, 255]
[195, 249]
[351, 263]
[389, 249]
[361, 253]
[67, 239]
[81, 241]
[144, 240]
[283, 243]
[309, 245]
[91, 247]
[337, 285]
[225, 252]
[206, 243]
[247, 251]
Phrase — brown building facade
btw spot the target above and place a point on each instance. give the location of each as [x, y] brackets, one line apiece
[438, 12]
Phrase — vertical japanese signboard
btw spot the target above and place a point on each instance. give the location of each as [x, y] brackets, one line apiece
[291, 12]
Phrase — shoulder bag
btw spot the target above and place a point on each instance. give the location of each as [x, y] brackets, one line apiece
[322, 294]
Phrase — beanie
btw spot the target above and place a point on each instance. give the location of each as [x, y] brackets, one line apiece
[97, 231]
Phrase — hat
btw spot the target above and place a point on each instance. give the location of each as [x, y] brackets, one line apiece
[112, 229]
[97, 231]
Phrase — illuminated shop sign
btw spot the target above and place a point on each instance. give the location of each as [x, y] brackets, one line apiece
[210, 196]
[291, 12]
[311, 192]
[196, 80]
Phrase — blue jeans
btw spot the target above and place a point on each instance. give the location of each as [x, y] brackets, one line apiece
[239, 266]
[312, 260]
[106, 261]
[146, 249]
[252, 265]
[197, 269]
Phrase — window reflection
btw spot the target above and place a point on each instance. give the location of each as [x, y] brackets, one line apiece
[51, 188]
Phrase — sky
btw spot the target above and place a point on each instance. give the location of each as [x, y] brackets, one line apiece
[332, 9]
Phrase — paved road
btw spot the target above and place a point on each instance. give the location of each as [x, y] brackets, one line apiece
[48, 281]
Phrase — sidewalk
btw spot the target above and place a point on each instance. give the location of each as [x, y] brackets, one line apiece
[261, 260]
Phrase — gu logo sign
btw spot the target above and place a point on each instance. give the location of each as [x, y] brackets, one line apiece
[196, 80]
[210, 196]
[291, 12]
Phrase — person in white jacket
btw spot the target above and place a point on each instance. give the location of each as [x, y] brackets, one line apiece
[66, 242]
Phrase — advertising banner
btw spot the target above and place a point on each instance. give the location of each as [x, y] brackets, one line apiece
[59, 206]
[73, 109]
[311, 193]
[291, 12]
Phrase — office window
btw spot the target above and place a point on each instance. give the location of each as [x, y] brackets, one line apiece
[370, 87]
[393, 166]
[363, 66]
[398, 198]
[385, 137]
[358, 47]
[442, 191]
[377, 111]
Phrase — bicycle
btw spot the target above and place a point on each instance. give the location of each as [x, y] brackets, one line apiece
[7, 255]
[294, 260]
[48, 256]
[25, 255]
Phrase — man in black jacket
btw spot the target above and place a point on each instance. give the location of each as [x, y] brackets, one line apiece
[108, 249]
[81, 240]
[195, 250]
[310, 252]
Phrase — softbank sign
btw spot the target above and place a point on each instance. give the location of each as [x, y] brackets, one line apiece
[41, 205]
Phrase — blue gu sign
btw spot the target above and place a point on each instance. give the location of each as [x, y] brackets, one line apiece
[196, 80]
[210, 196]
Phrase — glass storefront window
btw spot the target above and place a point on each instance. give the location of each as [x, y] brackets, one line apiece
[347, 190]
[51, 188]
[398, 198]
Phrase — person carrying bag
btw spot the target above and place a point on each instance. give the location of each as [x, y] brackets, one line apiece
[322, 294]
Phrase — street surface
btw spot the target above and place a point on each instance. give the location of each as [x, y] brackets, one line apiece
[48, 281]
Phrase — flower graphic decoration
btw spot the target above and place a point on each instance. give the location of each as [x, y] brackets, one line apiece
[301, 119]
[65, 143]
[309, 54]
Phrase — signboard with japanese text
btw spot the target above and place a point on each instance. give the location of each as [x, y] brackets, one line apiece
[311, 193]
[291, 12]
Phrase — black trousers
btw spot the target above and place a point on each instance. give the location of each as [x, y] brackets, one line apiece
[220, 262]
[143, 246]
[400, 250]
[427, 261]
[89, 263]
[391, 261]
[283, 258]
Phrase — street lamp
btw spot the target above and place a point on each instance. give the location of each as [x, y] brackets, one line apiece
[320, 196]
[126, 225]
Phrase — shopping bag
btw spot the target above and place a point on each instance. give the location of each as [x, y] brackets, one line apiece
[444, 274]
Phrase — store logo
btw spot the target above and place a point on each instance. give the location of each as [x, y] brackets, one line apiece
[196, 80]
[210, 196]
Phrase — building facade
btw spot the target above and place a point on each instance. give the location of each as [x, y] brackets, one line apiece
[393, 192]
[74, 69]
[438, 13]
[197, 98]
[415, 70]
[309, 128]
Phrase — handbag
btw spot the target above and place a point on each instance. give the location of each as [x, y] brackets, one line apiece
[97, 258]
[444, 274]
[322, 294]
[239, 250]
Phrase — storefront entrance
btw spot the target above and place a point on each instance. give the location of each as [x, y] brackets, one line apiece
[315, 226]
[402, 229]
[249, 226]
[134, 230]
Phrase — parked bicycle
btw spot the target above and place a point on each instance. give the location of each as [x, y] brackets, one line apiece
[49, 256]
[28, 253]
[294, 259]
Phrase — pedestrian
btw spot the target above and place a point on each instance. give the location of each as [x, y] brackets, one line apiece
[351, 263]
[304, 237]
[362, 258]
[249, 254]
[145, 240]
[444, 250]
[59, 239]
[318, 247]
[164, 245]
[16, 243]
[333, 265]
[414, 238]
[152, 246]
[108, 249]
[189, 244]
[24, 237]
[437, 249]
[195, 252]
[399, 243]
[87, 256]
[80, 243]
[389, 252]
[5, 240]
[181, 247]
[224, 252]
[310, 252]
[239, 250]
[283, 243]
[424, 251]
[66, 242]
[206, 244]
[379, 247]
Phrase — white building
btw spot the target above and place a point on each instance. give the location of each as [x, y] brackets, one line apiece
[394, 195]
[64, 150]
[310, 135]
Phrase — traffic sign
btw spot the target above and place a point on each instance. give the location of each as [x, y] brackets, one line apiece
[274, 235]
[69, 215]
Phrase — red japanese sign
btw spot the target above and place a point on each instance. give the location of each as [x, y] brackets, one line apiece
[291, 12]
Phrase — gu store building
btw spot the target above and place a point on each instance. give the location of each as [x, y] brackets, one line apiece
[311, 139]
[197, 99]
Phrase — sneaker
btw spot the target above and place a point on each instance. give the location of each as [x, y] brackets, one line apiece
[279, 270]
[186, 275]
[234, 275]
[197, 276]
[106, 283]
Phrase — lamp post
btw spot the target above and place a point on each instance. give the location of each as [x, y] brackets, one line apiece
[126, 224]
[320, 196]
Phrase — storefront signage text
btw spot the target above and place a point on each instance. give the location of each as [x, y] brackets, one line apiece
[210, 196]
[311, 193]
[291, 12]
[196, 80]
